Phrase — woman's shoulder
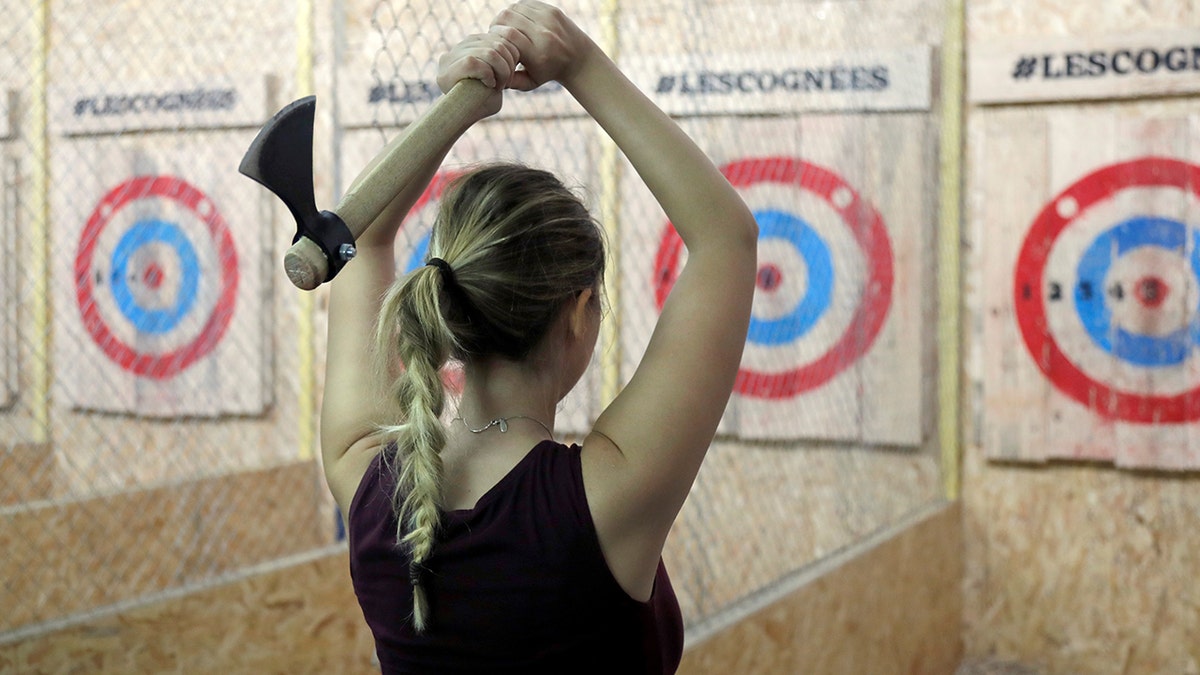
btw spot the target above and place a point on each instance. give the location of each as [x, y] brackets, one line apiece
[347, 475]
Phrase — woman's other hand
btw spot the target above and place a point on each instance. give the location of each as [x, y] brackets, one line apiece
[550, 45]
[487, 57]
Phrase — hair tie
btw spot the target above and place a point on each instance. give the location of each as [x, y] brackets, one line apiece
[444, 267]
[506, 344]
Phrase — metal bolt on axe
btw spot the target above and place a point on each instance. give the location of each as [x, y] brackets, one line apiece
[280, 158]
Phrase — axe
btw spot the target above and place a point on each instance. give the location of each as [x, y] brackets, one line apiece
[280, 158]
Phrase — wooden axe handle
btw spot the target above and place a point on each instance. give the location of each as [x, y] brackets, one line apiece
[389, 172]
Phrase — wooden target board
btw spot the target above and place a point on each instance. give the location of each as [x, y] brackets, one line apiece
[161, 307]
[566, 148]
[835, 347]
[1092, 289]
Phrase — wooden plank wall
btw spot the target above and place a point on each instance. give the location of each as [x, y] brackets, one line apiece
[1070, 566]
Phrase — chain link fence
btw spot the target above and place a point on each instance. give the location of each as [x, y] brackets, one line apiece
[148, 427]
[159, 377]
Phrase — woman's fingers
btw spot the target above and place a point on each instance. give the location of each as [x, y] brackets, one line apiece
[487, 57]
[550, 44]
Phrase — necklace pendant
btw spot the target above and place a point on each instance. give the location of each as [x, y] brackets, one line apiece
[503, 424]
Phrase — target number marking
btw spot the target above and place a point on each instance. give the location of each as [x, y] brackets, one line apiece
[1135, 295]
[819, 271]
[152, 281]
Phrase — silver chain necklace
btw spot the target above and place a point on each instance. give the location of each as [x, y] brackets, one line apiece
[502, 423]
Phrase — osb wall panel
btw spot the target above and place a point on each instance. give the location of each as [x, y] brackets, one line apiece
[892, 609]
[757, 513]
[1073, 568]
[298, 619]
[60, 559]
[1082, 570]
[31, 472]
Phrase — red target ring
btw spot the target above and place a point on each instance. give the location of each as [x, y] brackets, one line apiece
[1093, 188]
[437, 185]
[867, 228]
[158, 365]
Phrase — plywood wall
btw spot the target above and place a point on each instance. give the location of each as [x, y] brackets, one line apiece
[65, 559]
[891, 607]
[1071, 566]
[299, 618]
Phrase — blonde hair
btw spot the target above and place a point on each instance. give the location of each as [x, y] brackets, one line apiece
[517, 246]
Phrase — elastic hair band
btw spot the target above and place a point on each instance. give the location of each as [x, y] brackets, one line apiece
[444, 267]
[510, 346]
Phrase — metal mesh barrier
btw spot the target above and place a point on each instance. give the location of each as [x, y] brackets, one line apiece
[150, 389]
[159, 377]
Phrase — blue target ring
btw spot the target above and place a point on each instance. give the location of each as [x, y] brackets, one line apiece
[418, 256]
[155, 320]
[1091, 297]
[819, 291]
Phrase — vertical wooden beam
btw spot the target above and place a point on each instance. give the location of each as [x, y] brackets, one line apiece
[38, 262]
[610, 206]
[949, 276]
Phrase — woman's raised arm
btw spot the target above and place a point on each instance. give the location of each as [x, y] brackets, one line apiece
[354, 403]
[647, 446]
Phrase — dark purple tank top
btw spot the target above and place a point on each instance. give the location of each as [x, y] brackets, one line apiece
[516, 585]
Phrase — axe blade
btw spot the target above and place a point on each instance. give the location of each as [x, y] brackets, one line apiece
[280, 158]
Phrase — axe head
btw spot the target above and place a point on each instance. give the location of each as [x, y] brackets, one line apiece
[280, 158]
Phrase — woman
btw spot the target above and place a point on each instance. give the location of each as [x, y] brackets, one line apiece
[483, 545]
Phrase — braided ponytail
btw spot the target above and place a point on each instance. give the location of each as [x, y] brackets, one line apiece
[517, 245]
[423, 343]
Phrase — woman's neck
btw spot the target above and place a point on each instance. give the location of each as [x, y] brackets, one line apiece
[498, 388]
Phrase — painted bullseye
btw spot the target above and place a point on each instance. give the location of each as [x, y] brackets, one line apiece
[153, 282]
[143, 303]
[1151, 291]
[769, 277]
[1134, 291]
[419, 255]
[153, 276]
[815, 278]
[1097, 309]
